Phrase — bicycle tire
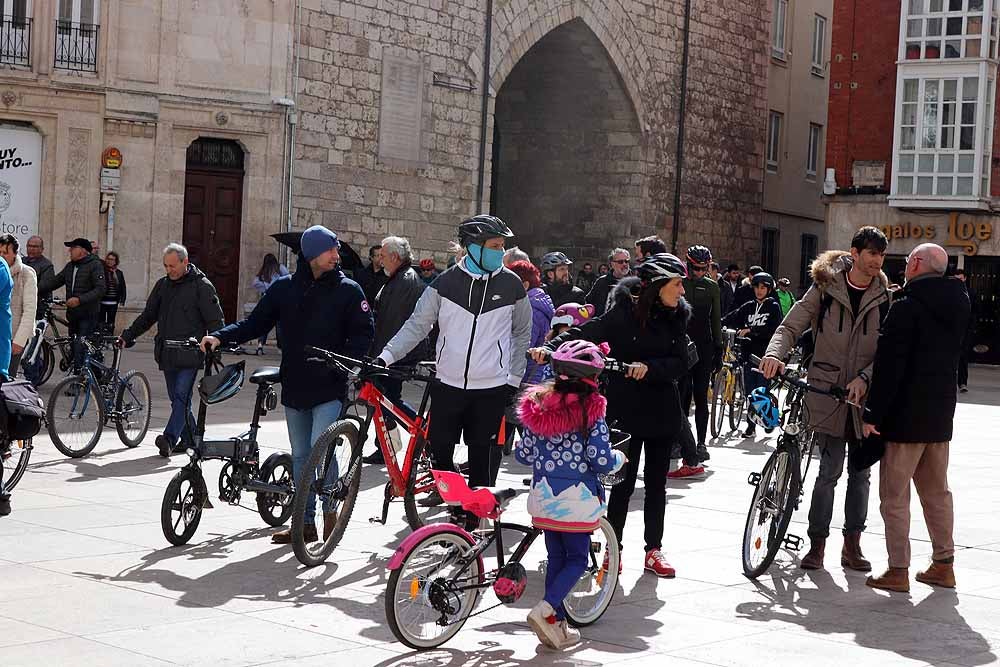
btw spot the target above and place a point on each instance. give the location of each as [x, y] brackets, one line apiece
[783, 466]
[15, 462]
[419, 485]
[64, 391]
[277, 470]
[322, 454]
[738, 402]
[582, 616]
[143, 418]
[718, 415]
[187, 502]
[441, 548]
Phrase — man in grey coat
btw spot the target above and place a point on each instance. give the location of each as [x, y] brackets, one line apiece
[83, 278]
[44, 271]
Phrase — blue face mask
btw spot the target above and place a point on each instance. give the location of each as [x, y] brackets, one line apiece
[483, 260]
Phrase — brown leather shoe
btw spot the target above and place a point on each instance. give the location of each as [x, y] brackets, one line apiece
[329, 523]
[285, 536]
[894, 579]
[851, 556]
[814, 559]
[938, 574]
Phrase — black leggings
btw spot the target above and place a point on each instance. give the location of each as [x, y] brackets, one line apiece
[476, 414]
[697, 387]
[657, 459]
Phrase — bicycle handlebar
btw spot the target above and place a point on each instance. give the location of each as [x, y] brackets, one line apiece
[365, 368]
[839, 394]
[613, 365]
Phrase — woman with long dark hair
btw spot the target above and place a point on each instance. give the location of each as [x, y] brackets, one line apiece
[645, 326]
[114, 295]
[269, 272]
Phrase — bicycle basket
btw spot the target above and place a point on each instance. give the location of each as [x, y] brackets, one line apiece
[620, 442]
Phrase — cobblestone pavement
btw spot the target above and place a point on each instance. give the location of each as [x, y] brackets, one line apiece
[88, 579]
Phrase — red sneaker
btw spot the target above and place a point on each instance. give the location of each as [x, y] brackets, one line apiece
[657, 563]
[607, 557]
[686, 471]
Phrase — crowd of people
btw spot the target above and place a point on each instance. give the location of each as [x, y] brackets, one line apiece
[512, 337]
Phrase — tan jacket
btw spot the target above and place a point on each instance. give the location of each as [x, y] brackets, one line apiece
[23, 301]
[844, 346]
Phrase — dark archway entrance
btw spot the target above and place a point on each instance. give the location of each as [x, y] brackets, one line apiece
[213, 212]
[568, 156]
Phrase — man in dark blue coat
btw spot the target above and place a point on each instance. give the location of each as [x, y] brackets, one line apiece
[317, 306]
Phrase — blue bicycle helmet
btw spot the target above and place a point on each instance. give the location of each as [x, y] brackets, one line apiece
[223, 385]
[764, 409]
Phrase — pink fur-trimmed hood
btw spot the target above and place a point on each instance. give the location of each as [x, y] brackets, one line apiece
[548, 413]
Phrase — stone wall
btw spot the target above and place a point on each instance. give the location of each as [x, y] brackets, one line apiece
[632, 53]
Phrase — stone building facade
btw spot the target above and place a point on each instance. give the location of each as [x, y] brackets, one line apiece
[185, 90]
[581, 121]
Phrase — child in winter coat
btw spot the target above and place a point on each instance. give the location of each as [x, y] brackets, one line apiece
[566, 443]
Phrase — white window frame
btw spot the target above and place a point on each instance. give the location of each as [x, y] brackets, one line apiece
[819, 45]
[76, 11]
[779, 29]
[813, 147]
[934, 46]
[982, 145]
[7, 9]
[775, 120]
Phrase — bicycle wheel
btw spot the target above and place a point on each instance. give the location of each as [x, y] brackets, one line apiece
[44, 363]
[340, 446]
[719, 401]
[75, 416]
[592, 595]
[15, 462]
[133, 406]
[430, 596]
[419, 489]
[274, 508]
[738, 402]
[180, 511]
[770, 510]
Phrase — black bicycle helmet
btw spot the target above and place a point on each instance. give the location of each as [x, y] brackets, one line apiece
[482, 228]
[225, 384]
[699, 256]
[661, 266]
[763, 278]
[552, 260]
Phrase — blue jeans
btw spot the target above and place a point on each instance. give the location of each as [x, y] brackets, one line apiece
[81, 328]
[180, 384]
[568, 557]
[304, 428]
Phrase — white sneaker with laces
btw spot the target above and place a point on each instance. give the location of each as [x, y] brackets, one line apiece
[570, 635]
[542, 619]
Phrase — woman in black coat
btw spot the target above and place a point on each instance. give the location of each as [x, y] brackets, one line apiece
[646, 326]
[115, 293]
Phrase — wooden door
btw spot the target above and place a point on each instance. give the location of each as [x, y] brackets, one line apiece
[213, 202]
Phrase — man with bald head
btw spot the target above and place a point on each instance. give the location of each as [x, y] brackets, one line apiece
[911, 406]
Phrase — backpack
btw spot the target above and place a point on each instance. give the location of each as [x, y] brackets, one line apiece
[22, 410]
[827, 300]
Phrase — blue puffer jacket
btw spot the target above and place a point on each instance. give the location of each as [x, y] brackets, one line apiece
[330, 313]
[542, 311]
[565, 459]
[6, 287]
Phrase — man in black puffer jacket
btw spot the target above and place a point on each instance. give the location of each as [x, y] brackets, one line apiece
[83, 277]
[316, 307]
[911, 404]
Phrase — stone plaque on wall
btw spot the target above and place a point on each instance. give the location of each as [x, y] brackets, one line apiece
[870, 173]
[400, 127]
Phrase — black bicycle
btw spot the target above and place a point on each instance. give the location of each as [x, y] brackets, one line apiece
[91, 398]
[187, 494]
[778, 487]
[39, 358]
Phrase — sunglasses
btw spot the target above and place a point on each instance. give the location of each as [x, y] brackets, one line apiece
[619, 261]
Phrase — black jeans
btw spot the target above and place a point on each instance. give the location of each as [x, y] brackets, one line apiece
[476, 414]
[697, 388]
[109, 311]
[392, 388]
[963, 367]
[657, 459]
[80, 327]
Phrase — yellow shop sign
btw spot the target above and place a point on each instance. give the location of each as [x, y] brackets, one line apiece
[964, 234]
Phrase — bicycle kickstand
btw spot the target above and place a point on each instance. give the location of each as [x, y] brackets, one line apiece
[385, 506]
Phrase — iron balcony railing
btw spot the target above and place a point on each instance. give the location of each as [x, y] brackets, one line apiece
[76, 46]
[15, 41]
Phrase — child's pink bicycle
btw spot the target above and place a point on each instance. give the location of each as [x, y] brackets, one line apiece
[438, 573]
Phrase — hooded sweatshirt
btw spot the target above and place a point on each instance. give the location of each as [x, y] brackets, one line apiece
[761, 318]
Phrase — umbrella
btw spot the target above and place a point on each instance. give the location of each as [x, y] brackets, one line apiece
[349, 259]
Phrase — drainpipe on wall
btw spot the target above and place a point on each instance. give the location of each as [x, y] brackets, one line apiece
[291, 118]
[484, 111]
[682, 117]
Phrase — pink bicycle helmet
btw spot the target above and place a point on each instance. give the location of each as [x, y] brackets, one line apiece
[578, 360]
[572, 314]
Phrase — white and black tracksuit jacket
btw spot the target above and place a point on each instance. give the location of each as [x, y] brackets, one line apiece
[485, 324]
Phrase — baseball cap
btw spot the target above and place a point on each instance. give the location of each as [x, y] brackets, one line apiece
[80, 243]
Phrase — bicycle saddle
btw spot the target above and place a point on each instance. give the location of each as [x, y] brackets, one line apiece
[485, 502]
[266, 375]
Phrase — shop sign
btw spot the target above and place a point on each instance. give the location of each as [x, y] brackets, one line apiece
[964, 234]
[20, 180]
[111, 158]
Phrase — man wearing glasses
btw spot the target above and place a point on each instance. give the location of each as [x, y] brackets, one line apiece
[619, 260]
[43, 270]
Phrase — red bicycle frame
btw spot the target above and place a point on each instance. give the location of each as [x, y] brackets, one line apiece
[416, 427]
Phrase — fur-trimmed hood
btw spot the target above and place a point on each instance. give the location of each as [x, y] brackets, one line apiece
[621, 295]
[831, 263]
[549, 413]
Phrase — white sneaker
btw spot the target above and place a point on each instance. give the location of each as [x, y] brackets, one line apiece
[542, 619]
[570, 635]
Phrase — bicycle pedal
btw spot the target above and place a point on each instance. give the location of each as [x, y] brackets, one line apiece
[754, 479]
[793, 542]
[375, 519]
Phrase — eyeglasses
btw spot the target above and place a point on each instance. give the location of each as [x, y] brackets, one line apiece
[698, 269]
[619, 261]
[34, 245]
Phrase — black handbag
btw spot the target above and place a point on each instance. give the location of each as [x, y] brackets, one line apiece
[867, 453]
[23, 410]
